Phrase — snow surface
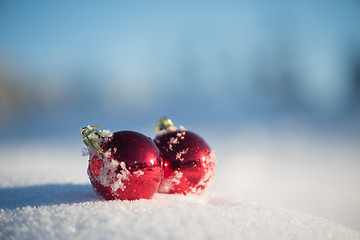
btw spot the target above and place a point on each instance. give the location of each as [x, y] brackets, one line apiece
[45, 194]
[85, 216]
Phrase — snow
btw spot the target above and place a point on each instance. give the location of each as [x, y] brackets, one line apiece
[208, 177]
[179, 155]
[107, 133]
[172, 141]
[45, 194]
[138, 173]
[170, 183]
[163, 217]
[107, 174]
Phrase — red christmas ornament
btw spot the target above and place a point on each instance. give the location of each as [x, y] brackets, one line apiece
[123, 165]
[189, 162]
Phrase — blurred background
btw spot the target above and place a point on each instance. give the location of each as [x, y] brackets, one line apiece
[273, 86]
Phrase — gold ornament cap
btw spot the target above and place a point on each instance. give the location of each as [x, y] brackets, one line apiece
[165, 125]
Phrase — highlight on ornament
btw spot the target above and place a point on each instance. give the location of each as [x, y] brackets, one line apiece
[189, 162]
[123, 165]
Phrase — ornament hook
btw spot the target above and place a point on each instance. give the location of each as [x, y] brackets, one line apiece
[92, 137]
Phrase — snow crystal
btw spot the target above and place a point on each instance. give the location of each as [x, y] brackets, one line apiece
[107, 154]
[181, 135]
[138, 173]
[165, 131]
[177, 177]
[182, 128]
[109, 174]
[172, 141]
[161, 132]
[171, 129]
[208, 176]
[123, 175]
[171, 182]
[107, 133]
[84, 151]
[179, 155]
[118, 184]
[93, 136]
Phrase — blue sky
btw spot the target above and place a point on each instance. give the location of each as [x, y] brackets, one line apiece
[185, 58]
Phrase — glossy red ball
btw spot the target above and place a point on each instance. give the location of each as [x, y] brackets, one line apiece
[189, 162]
[128, 167]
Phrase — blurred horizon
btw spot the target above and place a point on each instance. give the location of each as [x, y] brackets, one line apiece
[219, 65]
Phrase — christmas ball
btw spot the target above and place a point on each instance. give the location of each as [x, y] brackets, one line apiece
[124, 165]
[189, 162]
